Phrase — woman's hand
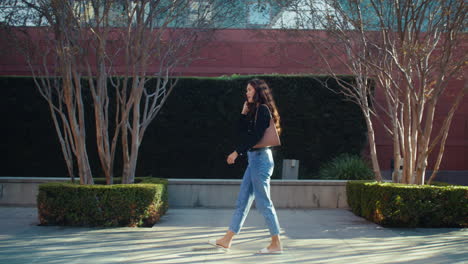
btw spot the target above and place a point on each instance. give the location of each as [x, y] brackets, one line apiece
[245, 108]
[232, 157]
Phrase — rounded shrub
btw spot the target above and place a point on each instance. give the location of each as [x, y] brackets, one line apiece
[346, 167]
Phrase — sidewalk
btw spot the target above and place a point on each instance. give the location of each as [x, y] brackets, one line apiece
[309, 236]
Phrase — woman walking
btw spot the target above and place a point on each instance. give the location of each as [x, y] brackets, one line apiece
[258, 110]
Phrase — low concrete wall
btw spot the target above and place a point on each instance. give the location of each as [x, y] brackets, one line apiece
[15, 191]
[22, 191]
[284, 193]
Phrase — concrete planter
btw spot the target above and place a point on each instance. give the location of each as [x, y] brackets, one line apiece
[217, 193]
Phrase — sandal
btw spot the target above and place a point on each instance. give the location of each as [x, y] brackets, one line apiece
[213, 243]
[267, 251]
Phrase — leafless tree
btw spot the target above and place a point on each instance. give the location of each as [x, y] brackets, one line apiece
[55, 65]
[412, 49]
[109, 45]
[340, 50]
[424, 44]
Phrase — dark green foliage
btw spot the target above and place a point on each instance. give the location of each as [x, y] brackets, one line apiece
[118, 180]
[70, 204]
[346, 167]
[353, 193]
[391, 204]
[196, 129]
[29, 138]
[437, 183]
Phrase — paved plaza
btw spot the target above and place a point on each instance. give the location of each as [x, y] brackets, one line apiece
[309, 236]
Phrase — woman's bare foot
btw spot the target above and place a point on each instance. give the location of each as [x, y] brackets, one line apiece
[225, 243]
[275, 244]
[226, 240]
[273, 248]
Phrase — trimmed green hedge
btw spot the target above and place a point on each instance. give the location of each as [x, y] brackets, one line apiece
[402, 205]
[133, 205]
[194, 131]
[200, 121]
[118, 180]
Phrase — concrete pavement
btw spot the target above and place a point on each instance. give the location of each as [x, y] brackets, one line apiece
[309, 236]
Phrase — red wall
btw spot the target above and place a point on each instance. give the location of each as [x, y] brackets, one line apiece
[263, 52]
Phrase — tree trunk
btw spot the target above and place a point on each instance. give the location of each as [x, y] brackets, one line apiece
[372, 147]
[125, 154]
[73, 102]
[407, 150]
[135, 135]
[397, 174]
[425, 139]
[100, 96]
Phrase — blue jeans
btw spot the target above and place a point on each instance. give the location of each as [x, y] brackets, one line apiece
[256, 183]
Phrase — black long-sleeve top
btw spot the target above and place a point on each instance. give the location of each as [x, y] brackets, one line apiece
[251, 131]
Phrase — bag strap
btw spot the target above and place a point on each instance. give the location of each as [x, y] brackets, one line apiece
[256, 113]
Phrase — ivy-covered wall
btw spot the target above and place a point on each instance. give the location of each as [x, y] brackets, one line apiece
[195, 131]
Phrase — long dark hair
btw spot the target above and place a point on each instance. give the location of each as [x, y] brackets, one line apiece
[263, 95]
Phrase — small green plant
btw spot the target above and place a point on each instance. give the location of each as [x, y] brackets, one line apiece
[346, 167]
